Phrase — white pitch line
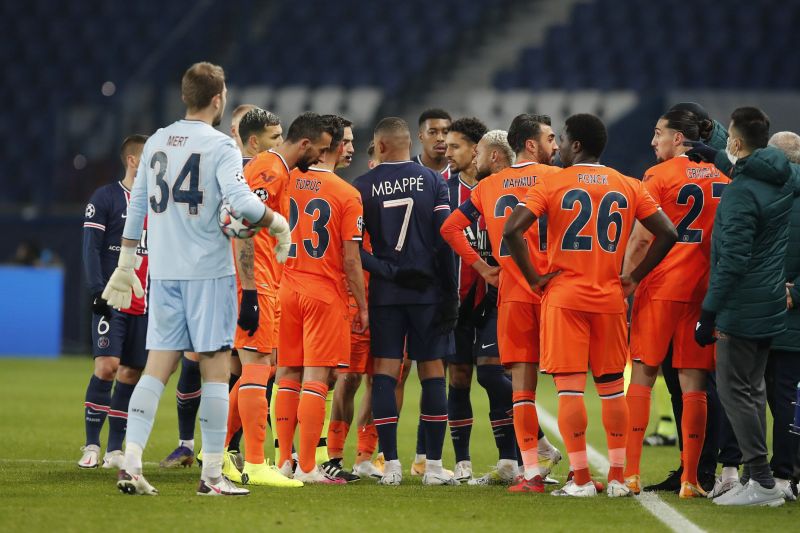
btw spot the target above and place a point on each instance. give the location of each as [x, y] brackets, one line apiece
[649, 500]
[55, 462]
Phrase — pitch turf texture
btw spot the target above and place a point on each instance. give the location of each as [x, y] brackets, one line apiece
[41, 430]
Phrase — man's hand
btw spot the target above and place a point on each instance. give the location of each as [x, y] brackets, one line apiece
[700, 153]
[361, 322]
[446, 316]
[489, 273]
[789, 301]
[411, 278]
[100, 306]
[704, 331]
[279, 229]
[538, 285]
[248, 312]
[118, 289]
[628, 285]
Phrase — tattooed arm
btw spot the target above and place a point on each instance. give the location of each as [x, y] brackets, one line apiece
[244, 252]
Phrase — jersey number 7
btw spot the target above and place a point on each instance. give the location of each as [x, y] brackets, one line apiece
[408, 203]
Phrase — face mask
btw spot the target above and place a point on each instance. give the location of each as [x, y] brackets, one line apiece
[732, 158]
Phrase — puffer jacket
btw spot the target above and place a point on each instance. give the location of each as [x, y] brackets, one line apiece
[789, 340]
[748, 247]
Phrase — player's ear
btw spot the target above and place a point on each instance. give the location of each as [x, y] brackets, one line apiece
[530, 145]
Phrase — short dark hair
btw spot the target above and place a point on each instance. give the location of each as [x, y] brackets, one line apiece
[753, 124]
[589, 130]
[391, 125]
[128, 145]
[684, 121]
[255, 121]
[470, 127]
[434, 113]
[307, 126]
[523, 127]
[200, 83]
[335, 125]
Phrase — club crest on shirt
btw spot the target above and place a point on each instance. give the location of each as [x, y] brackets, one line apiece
[90, 211]
[103, 342]
[262, 194]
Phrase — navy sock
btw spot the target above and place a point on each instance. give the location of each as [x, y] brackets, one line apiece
[459, 411]
[95, 408]
[270, 384]
[498, 388]
[188, 398]
[420, 438]
[384, 411]
[434, 416]
[118, 415]
[541, 433]
[236, 440]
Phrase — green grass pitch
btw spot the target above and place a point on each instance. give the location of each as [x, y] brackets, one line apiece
[42, 489]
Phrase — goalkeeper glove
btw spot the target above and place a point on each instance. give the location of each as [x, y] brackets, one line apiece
[100, 306]
[248, 312]
[279, 229]
[118, 289]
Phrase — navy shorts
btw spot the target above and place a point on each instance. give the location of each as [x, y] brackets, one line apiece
[122, 336]
[406, 327]
[486, 336]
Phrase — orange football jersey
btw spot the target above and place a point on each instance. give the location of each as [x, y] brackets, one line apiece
[495, 197]
[267, 174]
[324, 212]
[689, 194]
[590, 212]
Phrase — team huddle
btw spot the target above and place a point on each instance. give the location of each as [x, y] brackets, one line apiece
[478, 257]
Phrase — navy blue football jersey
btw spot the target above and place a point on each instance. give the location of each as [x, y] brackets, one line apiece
[103, 223]
[405, 204]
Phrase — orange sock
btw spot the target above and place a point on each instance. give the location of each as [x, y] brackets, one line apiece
[253, 410]
[367, 442]
[638, 399]
[234, 422]
[526, 427]
[693, 426]
[311, 418]
[572, 422]
[615, 421]
[337, 435]
[286, 402]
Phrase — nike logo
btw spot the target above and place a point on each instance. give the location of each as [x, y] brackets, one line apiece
[124, 215]
[215, 489]
[484, 346]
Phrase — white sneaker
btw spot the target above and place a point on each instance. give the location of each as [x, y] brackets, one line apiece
[463, 471]
[90, 455]
[577, 491]
[548, 460]
[724, 487]
[615, 489]
[115, 460]
[221, 486]
[392, 473]
[440, 478]
[503, 474]
[755, 494]
[287, 469]
[367, 469]
[134, 484]
[317, 476]
[786, 486]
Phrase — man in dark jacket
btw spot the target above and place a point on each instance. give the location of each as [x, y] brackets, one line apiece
[746, 298]
[783, 365]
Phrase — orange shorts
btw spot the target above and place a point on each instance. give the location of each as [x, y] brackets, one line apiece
[576, 341]
[518, 332]
[657, 322]
[266, 336]
[360, 355]
[313, 332]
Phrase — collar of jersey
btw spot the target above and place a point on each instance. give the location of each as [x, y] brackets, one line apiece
[320, 169]
[588, 165]
[124, 188]
[282, 159]
[395, 162]
[524, 164]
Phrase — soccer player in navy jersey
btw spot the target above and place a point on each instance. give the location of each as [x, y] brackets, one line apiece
[118, 336]
[433, 127]
[405, 204]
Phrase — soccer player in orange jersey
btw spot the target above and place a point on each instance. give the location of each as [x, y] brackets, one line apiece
[326, 218]
[667, 303]
[590, 211]
[236, 117]
[267, 174]
[533, 140]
